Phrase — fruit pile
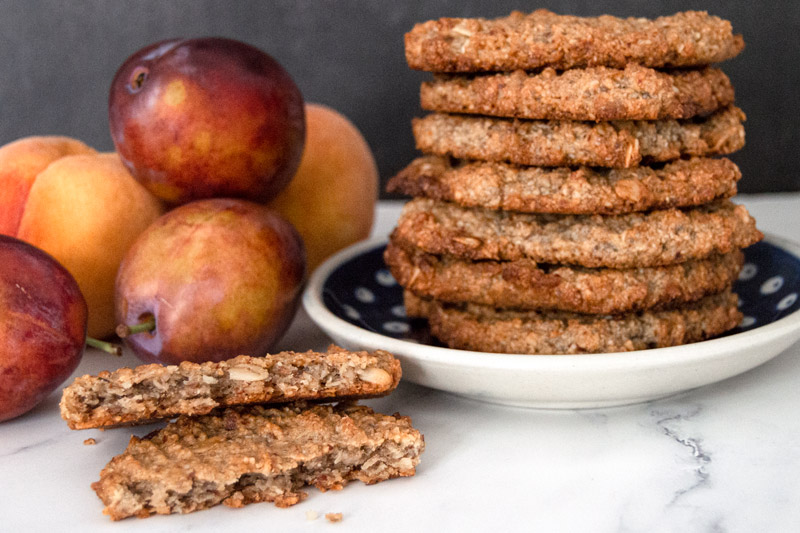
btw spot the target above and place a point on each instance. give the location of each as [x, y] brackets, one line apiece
[192, 240]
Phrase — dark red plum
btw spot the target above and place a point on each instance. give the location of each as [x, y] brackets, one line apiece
[42, 326]
[207, 117]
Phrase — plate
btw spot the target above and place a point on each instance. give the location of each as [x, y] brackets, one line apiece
[357, 302]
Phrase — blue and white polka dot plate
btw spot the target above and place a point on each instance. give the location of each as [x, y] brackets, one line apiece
[355, 299]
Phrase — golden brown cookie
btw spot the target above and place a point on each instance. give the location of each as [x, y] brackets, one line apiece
[486, 329]
[524, 284]
[530, 41]
[565, 190]
[147, 392]
[631, 240]
[594, 93]
[244, 455]
[620, 144]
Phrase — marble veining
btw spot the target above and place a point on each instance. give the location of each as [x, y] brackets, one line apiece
[672, 425]
[27, 447]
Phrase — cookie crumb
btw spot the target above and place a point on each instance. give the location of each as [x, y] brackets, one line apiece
[89, 442]
[311, 515]
[334, 517]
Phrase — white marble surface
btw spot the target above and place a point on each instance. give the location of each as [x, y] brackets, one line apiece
[724, 458]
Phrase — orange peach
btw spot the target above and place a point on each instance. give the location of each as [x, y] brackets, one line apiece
[20, 162]
[86, 211]
[331, 199]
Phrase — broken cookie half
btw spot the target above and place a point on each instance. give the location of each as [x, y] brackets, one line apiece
[140, 395]
[252, 454]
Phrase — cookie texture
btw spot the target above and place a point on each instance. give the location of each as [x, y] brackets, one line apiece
[542, 38]
[487, 329]
[524, 284]
[565, 190]
[570, 197]
[595, 93]
[147, 392]
[252, 454]
[615, 241]
[619, 144]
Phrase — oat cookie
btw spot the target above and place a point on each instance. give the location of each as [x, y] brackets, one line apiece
[542, 39]
[615, 241]
[147, 392]
[618, 144]
[487, 329]
[524, 284]
[595, 93]
[252, 454]
[582, 190]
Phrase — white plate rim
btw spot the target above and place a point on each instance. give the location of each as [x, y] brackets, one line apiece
[652, 358]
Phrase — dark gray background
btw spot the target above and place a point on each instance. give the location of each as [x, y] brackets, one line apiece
[58, 57]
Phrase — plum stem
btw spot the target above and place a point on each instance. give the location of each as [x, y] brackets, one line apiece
[124, 330]
[108, 347]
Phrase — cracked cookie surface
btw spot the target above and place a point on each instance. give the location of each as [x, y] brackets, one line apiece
[631, 240]
[595, 93]
[615, 144]
[524, 284]
[243, 455]
[565, 190]
[486, 329]
[533, 40]
[139, 395]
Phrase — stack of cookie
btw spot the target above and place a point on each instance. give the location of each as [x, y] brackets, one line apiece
[569, 199]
